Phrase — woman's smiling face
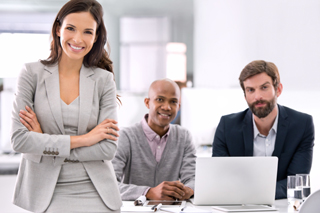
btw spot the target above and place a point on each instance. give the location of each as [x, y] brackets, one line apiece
[77, 35]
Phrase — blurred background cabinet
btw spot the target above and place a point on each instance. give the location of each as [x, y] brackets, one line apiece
[142, 51]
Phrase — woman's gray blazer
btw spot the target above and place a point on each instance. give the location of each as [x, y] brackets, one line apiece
[43, 154]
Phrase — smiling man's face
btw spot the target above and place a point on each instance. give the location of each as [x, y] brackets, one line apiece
[163, 104]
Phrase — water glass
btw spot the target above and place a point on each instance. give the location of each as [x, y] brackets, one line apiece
[305, 184]
[294, 188]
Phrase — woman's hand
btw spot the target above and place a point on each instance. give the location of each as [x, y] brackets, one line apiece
[107, 129]
[29, 120]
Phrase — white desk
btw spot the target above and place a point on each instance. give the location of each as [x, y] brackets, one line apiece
[7, 185]
[281, 205]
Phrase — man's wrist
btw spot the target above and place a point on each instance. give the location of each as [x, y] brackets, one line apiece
[189, 191]
[146, 191]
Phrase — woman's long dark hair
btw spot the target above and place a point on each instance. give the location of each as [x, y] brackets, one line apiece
[97, 56]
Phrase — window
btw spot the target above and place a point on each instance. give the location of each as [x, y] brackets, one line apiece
[19, 48]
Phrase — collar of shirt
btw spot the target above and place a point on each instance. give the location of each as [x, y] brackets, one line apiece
[274, 126]
[150, 134]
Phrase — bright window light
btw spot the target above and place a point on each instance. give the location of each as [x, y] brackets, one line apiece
[19, 48]
[176, 61]
[176, 47]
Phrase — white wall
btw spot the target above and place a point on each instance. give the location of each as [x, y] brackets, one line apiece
[132, 109]
[142, 51]
[112, 25]
[231, 33]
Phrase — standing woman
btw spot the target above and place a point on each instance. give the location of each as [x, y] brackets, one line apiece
[64, 119]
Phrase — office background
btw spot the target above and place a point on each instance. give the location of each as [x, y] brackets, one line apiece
[220, 36]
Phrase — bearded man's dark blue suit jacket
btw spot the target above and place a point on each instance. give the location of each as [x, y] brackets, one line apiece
[293, 146]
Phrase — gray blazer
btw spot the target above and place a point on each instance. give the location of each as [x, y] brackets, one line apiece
[43, 154]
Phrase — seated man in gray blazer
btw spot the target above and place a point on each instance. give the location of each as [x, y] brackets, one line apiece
[156, 158]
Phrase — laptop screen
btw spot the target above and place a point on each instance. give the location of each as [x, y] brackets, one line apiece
[235, 180]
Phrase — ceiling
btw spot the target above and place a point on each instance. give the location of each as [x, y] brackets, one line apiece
[182, 8]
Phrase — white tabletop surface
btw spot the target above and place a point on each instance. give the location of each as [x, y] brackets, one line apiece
[7, 185]
[281, 205]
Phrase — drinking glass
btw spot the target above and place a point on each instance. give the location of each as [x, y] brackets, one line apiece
[305, 185]
[294, 188]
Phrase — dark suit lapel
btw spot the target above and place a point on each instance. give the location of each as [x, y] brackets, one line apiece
[248, 134]
[282, 130]
[86, 98]
[53, 92]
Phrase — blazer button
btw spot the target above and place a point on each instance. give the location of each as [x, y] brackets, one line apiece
[65, 160]
[57, 153]
[45, 152]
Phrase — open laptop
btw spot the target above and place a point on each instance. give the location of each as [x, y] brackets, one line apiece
[235, 180]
